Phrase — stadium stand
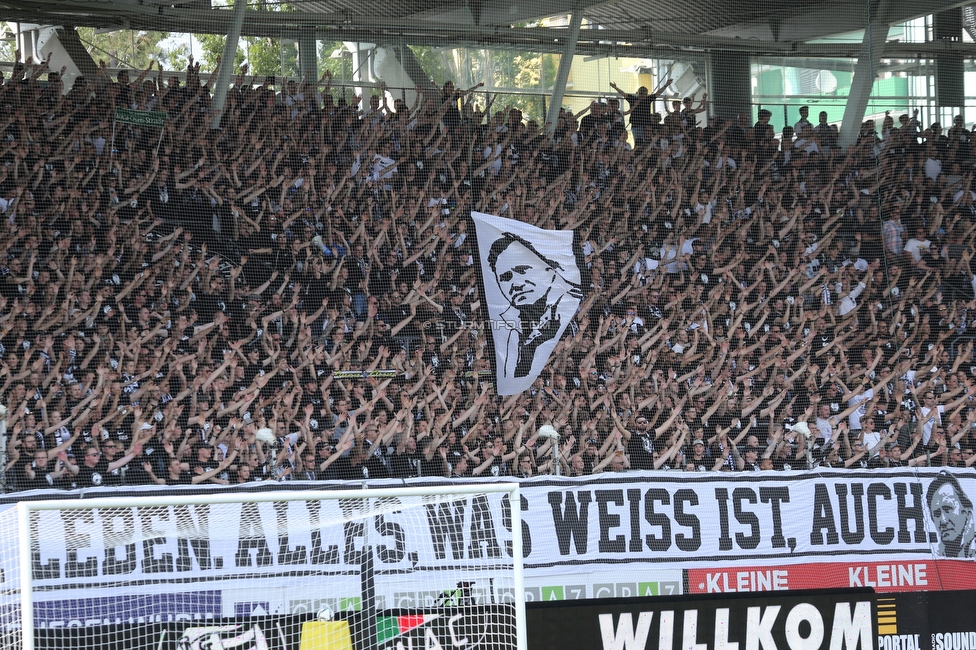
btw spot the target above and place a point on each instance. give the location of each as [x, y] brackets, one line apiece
[296, 296]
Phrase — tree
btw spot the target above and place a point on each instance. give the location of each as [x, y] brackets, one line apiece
[213, 47]
[265, 56]
[125, 48]
[498, 69]
[340, 68]
[176, 58]
[7, 50]
[437, 63]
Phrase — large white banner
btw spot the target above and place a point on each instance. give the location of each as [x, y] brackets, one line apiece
[532, 287]
[615, 535]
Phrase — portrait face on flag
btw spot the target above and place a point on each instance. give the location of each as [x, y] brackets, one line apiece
[952, 513]
[532, 290]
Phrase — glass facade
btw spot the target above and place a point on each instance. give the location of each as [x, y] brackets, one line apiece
[783, 85]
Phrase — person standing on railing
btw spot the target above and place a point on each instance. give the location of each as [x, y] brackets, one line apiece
[641, 109]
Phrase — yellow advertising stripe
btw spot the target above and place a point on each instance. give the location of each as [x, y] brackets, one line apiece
[326, 635]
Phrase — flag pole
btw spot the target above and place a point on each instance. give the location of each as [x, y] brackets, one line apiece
[160, 141]
[111, 150]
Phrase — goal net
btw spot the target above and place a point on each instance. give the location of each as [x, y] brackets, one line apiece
[343, 570]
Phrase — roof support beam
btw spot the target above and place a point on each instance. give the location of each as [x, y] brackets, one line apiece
[565, 65]
[227, 62]
[308, 60]
[865, 72]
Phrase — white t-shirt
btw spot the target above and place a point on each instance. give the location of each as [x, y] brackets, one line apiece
[824, 428]
[669, 255]
[383, 168]
[99, 143]
[927, 427]
[958, 196]
[806, 145]
[849, 302]
[914, 247]
[871, 440]
[493, 152]
[293, 102]
[705, 210]
[854, 419]
[722, 162]
[645, 266]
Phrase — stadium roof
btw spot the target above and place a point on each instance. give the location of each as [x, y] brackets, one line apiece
[616, 27]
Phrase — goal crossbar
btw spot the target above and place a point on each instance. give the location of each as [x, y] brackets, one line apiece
[448, 492]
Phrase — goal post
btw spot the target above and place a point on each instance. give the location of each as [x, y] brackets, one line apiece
[394, 567]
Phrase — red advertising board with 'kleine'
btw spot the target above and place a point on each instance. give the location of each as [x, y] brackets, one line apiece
[885, 577]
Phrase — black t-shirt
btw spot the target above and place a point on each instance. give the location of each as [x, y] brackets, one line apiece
[397, 314]
[641, 109]
[641, 450]
[589, 462]
[18, 471]
[587, 125]
[116, 476]
[96, 476]
[785, 464]
[705, 276]
[384, 280]
[185, 478]
[41, 481]
[70, 403]
[437, 467]
[124, 96]
[407, 465]
[355, 471]
[876, 462]
[357, 269]
[341, 469]
[120, 434]
[205, 466]
[762, 132]
[498, 467]
[135, 474]
[377, 466]
[207, 305]
[452, 115]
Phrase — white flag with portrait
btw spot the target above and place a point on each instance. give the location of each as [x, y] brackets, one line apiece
[532, 288]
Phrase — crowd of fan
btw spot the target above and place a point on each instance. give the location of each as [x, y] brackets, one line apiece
[296, 295]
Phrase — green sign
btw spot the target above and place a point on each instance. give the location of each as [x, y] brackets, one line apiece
[140, 118]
